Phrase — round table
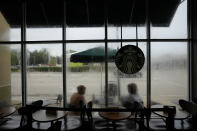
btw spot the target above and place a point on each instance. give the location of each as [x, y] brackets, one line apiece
[179, 115]
[70, 122]
[7, 111]
[115, 116]
[45, 116]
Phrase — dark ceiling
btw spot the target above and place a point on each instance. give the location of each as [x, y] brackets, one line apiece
[49, 13]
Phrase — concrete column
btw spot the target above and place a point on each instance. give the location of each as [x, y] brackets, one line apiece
[5, 63]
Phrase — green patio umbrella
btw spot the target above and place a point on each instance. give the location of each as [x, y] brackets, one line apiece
[93, 55]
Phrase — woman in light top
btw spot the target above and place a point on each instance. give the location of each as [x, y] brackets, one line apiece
[133, 100]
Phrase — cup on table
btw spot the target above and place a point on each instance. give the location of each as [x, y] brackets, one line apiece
[166, 107]
[165, 112]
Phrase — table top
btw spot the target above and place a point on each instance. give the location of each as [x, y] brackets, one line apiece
[180, 114]
[6, 111]
[115, 115]
[45, 116]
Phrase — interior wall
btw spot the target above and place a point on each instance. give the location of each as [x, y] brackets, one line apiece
[194, 49]
[5, 73]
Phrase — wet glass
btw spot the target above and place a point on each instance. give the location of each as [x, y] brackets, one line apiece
[85, 33]
[128, 32]
[169, 72]
[89, 72]
[121, 80]
[44, 73]
[175, 27]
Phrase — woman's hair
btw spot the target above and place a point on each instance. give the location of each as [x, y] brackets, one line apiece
[132, 88]
[81, 89]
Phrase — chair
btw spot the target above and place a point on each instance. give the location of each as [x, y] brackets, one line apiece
[82, 114]
[156, 122]
[87, 122]
[75, 121]
[37, 103]
[56, 126]
[191, 108]
[138, 115]
[102, 124]
[26, 114]
[26, 117]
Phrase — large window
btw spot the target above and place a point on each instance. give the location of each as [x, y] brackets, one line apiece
[169, 72]
[121, 80]
[51, 52]
[44, 72]
[177, 28]
[88, 72]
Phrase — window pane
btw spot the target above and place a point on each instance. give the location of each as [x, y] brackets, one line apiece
[10, 19]
[84, 20]
[43, 22]
[16, 86]
[85, 66]
[114, 32]
[34, 34]
[169, 74]
[128, 32]
[177, 27]
[129, 14]
[10, 76]
[44, 72]
[121, 80]
[82, 33]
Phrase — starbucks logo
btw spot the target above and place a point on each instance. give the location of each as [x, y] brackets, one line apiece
[129, 59]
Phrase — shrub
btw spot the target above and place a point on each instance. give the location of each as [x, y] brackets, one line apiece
[14, 70]
[45, 69]
[79, 69]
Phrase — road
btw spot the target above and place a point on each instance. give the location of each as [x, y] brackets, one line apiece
[167, 86]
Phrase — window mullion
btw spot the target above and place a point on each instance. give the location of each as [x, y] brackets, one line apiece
[23, 54]
[148, 54]
[64, 53]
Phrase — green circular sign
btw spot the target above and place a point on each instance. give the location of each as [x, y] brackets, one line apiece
[129, 59]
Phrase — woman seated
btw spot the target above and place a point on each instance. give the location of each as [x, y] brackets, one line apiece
[77, 98]
[133, 100]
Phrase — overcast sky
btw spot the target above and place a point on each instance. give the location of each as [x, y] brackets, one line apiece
[177, 29]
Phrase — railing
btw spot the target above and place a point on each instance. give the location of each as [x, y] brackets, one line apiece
[145, 112]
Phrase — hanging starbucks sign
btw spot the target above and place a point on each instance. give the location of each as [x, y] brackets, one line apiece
[129, 59]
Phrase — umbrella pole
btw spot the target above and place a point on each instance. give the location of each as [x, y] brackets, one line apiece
[118, 85]
[101, 80]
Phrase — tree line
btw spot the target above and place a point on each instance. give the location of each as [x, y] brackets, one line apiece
[35, 57]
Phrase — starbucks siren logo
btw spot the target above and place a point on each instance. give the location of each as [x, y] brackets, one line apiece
[129, 59]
